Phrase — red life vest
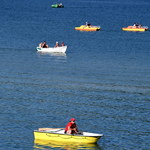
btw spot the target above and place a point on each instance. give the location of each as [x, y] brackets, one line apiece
[71, 125]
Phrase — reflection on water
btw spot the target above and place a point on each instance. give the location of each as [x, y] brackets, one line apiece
[41, 144]
[56, 57]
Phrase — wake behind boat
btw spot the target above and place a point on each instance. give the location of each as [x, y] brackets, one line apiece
[57, 134]
[61, 49]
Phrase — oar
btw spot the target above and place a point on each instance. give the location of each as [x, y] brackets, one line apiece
[45, 129]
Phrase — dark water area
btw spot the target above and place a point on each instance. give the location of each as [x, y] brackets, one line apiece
[103, 80]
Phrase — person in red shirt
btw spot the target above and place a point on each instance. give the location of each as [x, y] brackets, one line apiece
[71, 127]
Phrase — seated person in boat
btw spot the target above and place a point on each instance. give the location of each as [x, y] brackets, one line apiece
[88, 24]
[57, 44]
[140, 26]
[136, 25]
[60, 5]
[62, 44]
[44, 45]
[71, 127]
[40, 45]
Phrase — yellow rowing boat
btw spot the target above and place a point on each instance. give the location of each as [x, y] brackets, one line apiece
[57, 134]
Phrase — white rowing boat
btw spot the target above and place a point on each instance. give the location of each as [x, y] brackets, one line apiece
[61, 49]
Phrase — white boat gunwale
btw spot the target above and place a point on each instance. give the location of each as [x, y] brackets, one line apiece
[81, 135]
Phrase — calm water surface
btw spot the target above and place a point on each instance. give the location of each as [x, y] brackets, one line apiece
[103, 80]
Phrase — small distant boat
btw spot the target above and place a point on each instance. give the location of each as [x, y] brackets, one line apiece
[136, 28]
[57, 5]
[88, 27]
[60, 49]
[57, 134]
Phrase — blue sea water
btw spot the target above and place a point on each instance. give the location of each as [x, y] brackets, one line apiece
[103, 80]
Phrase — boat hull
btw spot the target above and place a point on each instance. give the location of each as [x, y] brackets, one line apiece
[60, 137]
[57, 6]
[62, 145]
[130, 28]
[87, 28]
[61, 49]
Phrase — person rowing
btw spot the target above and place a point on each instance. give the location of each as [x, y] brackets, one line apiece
[43, 45]
[71, 127]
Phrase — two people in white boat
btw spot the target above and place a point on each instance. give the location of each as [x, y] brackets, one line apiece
[45, 45]
[71, 127]
[59, 45]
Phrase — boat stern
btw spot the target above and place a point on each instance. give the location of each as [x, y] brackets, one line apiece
[38, 48]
